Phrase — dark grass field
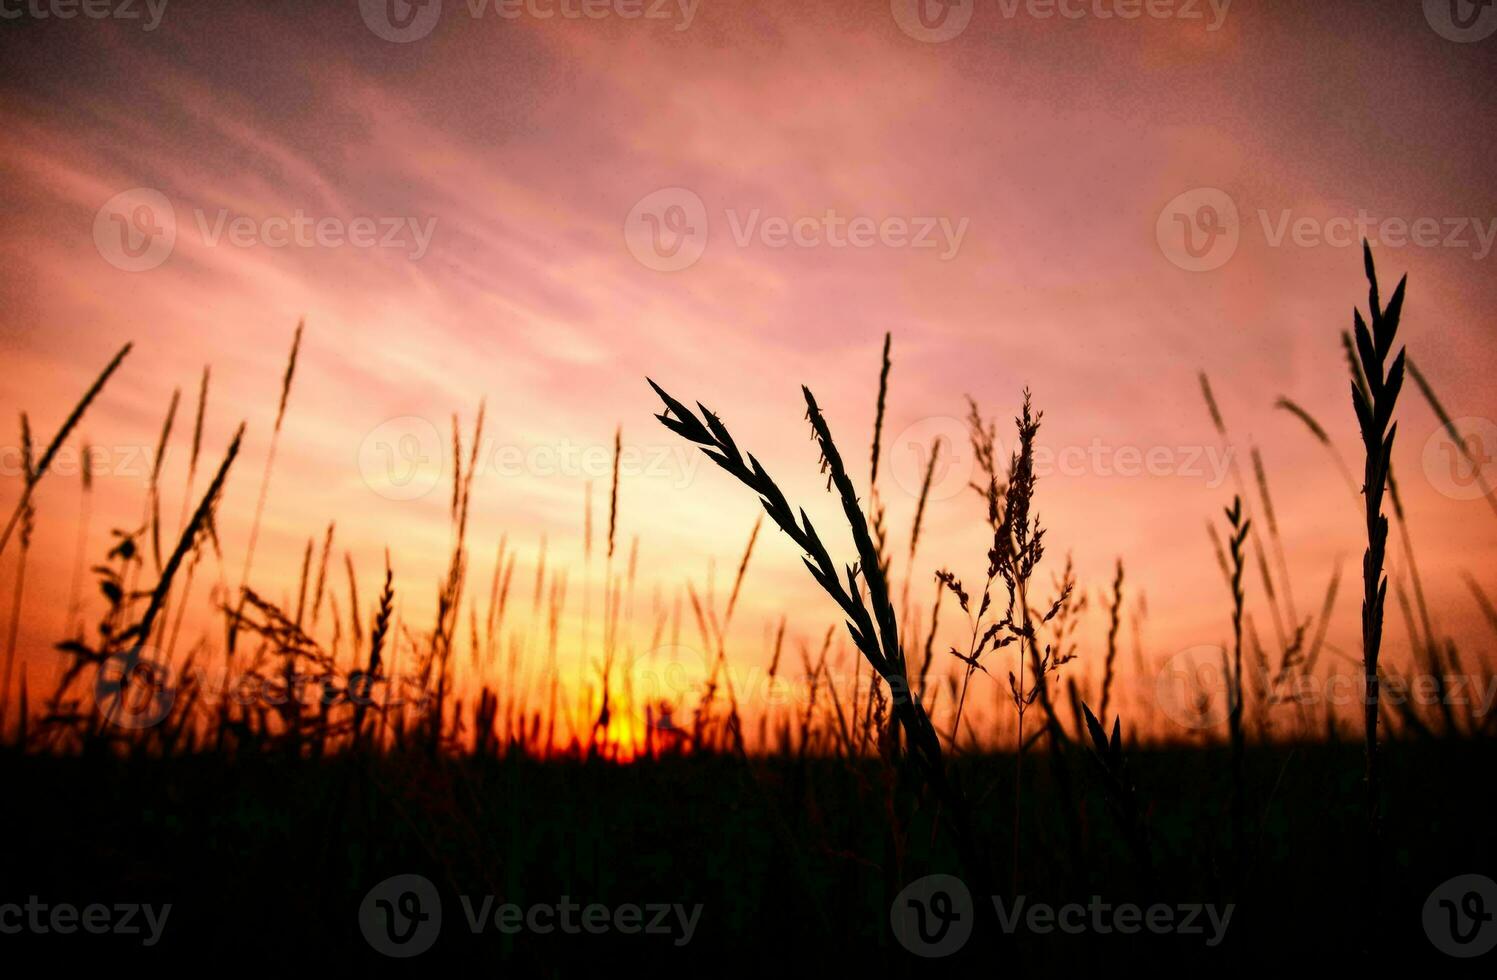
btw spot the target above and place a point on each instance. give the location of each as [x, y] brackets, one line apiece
[794, 864]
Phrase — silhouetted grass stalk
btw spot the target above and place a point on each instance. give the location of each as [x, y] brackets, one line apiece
[1374, 401]
[873, 631]
[45, 461]
[28, 523]
[275, 440]
[1240, 527]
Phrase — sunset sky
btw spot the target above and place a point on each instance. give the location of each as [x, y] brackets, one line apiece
[541, 211]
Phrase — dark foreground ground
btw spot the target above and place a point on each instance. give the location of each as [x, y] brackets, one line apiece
[794, 865]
